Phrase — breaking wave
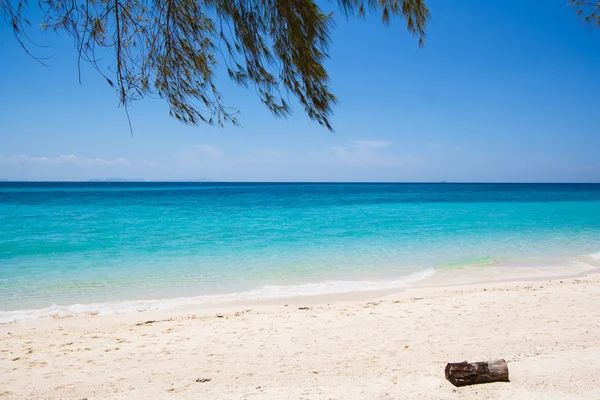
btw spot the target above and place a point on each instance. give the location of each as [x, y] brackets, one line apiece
[265, 292]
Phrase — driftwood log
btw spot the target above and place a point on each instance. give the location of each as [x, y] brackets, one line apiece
[464, 373]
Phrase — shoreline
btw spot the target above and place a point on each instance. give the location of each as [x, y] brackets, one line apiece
[430, 278]
[390, 347]
[431, 285]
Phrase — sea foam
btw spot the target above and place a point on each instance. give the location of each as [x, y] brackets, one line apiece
[595, 256]
[265, 292]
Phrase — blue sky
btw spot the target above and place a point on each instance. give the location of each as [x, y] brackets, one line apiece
[502, 91]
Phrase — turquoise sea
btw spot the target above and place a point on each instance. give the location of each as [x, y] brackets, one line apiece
[71, 248]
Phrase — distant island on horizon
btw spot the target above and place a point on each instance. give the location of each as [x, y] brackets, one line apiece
[152, 181]
[117, 180]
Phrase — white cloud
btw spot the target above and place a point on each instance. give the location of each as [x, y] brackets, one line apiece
[212, 158]
[259, 155]
[199, 155]
[365, 153]
[68, 158]
[62, 159]
[22, 158]
[208, 150]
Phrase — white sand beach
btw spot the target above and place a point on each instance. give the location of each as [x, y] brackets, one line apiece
[391, 347]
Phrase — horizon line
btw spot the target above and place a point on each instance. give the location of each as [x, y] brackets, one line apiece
[134, 181]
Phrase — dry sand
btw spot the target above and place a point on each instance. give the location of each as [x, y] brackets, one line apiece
[392, 347]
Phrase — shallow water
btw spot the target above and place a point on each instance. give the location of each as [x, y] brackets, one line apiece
[113, 244]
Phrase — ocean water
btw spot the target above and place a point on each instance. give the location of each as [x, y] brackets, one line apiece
[71, 248]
